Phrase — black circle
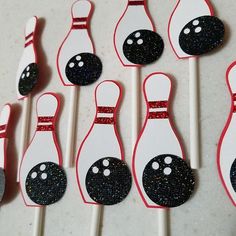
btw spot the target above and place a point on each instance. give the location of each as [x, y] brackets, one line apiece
[168, 180]
[233, 175]
[201, 35]
[28, 79]
[83, 69]
[2, 183]
[143, 47]
[108, 181]
[46, 183]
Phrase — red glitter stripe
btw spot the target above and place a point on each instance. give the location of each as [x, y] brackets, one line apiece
[158, 115]
[45, 119]
[45, 128]
[2, 127]
[80, 19]
[28, 36]
[104, 120]
[135, 3]
[234, 96]
[27, 44]
[3, 135]
[158, 104]
[79, 27]
[234, 109]
[105, 109]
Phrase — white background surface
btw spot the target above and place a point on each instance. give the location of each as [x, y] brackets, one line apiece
[209, 212]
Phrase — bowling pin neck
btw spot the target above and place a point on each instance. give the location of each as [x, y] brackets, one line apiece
[105, 115]
[136, 3]
[80, 23]
[3, 131]
[234, 103]
[30, 31]
[46, 123]
[158, 110]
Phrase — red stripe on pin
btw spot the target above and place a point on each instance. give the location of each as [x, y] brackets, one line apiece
[45, 119]
[80, 19]
[158, 104]
[3, 135]
[28, 36]
[105, 109]
[2, 127]
[158, 115]
[45, 128]
[27, 44]
[79, 27]
[135, 3]
[104, 120]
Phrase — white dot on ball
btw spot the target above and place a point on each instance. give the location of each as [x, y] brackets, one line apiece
[42, 167]
[198, 29]
[106, 172]
[195, 22]
[72, 64]
[28, 74]
[105, 163]
[44, 176]
[129, 41]
[28, 68]
[78, 58]
[187, 31]
[155, 165]
[80, 64]
[168, 160]
[23, 76]
[33, 175]
[167, 170]
[140, 41]
[137, 35]
[95, 170]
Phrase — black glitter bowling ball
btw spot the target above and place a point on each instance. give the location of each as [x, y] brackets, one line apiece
[143, 47]
[2, 183]
[28, 79]
[202, 35]
[46, 183]
[233, 175]
[83, 69]
[168, 181]
[108, 181]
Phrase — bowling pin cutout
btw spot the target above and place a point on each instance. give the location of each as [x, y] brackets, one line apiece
[103, 177]
[4, 121]
[28, 72]
[135, 40]
[77, 63]
[193, 30]
[161, 174]
[42, 179]
[226, 159]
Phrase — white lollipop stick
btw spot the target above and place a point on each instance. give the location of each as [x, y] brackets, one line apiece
[162, 222]
[193, 113]
[70, 143]
[135, 80]
[95, 220]
[39, 218]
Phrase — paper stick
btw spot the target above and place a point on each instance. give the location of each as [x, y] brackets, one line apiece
[96, 220]
[162, 222]
[39, 218]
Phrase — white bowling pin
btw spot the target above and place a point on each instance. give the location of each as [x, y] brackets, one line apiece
[44, 145]
[78, 39]
[102, 140]
[184, 12]
[135, 17]
[158, 135]
[4, 122]
[226, 154]
[28, 57]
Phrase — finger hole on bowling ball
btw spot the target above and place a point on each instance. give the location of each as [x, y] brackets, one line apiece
[168, 180]
[108, 181]
[233, 175]
[83, 69]
[202, 35]
[2, 183]
[143, 47]
[28, 79]
[46, 183]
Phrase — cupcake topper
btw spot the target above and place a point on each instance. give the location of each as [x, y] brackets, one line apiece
[193, 31]
[26, 80]
[226, 154]
[4, 122]
[77, 63]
